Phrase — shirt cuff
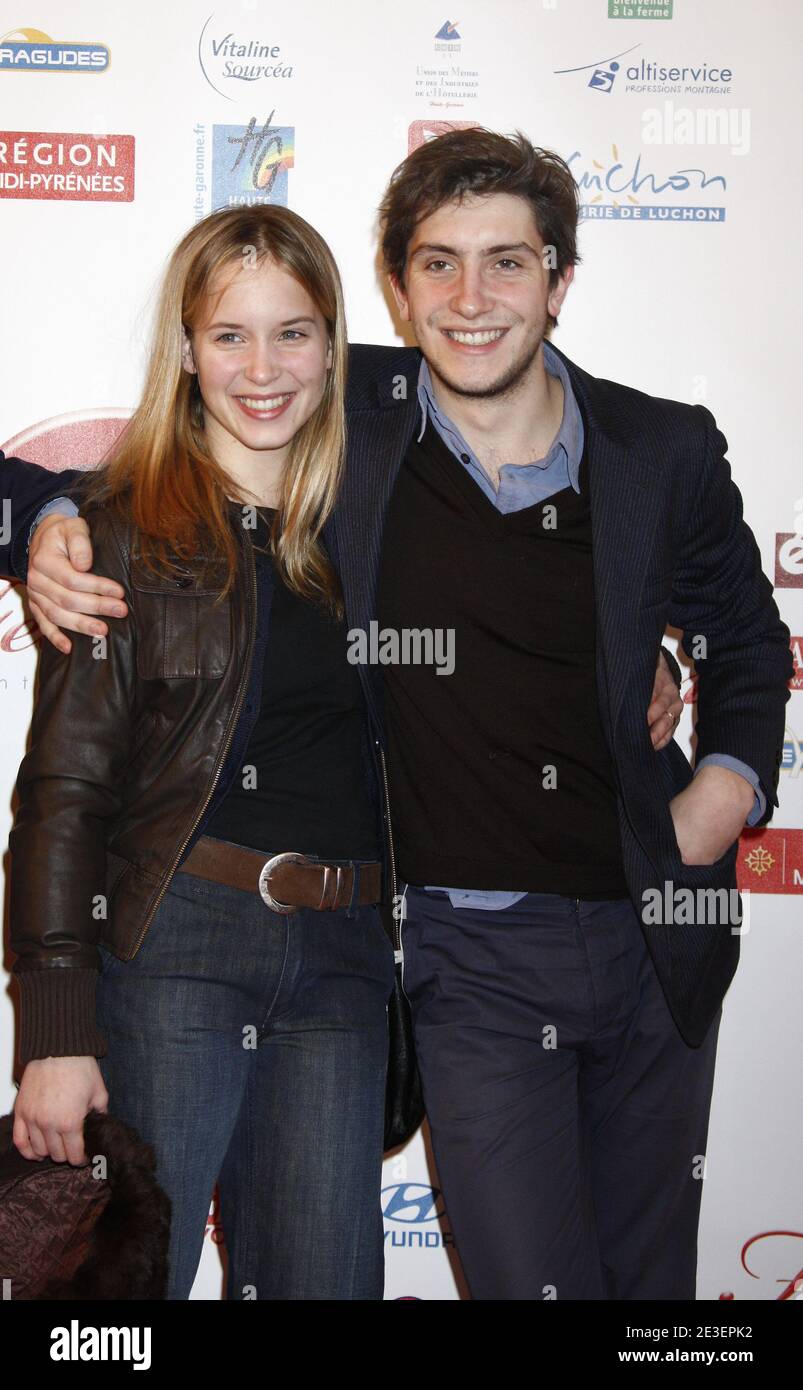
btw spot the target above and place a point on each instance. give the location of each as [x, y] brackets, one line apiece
[735, 765]
[62, 505]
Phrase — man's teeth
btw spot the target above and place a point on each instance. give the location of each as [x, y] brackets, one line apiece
[489, 335]
[265, 405]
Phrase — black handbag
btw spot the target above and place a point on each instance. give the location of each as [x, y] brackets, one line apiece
[404, 1103]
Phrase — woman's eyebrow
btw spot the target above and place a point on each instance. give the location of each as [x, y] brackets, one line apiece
[285, 323]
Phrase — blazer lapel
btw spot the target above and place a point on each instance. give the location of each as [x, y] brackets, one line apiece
[625, 505]
[624, 512]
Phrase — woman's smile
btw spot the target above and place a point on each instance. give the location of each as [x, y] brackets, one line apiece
[265, 407]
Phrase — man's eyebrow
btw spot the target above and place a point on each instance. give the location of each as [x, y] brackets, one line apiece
[512, 246]
[428, 247]
[286, 323]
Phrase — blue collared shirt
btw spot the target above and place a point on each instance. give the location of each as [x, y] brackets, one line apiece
[520, 485]
[523, 486]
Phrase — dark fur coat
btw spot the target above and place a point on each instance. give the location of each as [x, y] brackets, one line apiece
[66, 1233]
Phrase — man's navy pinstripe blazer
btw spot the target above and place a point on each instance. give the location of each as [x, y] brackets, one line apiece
[670, 547]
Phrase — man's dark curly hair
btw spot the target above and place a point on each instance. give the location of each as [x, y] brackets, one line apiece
[480, 162]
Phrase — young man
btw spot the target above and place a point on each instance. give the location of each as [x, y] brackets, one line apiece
[566, 1021]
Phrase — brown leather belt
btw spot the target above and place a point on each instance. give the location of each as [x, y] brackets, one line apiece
[286, 881]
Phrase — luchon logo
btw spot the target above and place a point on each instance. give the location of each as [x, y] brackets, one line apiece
[645, 75]
[66, 166]
[250, 164]
[31, 50]
[231, 58]
[631, 190]
[417, 1215]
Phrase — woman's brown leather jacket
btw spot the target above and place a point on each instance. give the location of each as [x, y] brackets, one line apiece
[128, 740]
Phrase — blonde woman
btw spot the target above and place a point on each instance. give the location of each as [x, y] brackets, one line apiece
[196, 857]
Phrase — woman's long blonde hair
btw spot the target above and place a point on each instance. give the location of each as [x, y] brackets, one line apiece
[161, 474]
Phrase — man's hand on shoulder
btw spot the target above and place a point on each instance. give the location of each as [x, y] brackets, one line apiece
[60, 588]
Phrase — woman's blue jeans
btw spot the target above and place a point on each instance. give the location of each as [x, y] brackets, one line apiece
[250, 1049]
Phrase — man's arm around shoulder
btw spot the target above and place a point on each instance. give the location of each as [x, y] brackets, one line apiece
[25, 488]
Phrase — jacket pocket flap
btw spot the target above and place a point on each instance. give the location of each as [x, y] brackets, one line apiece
[196, 580]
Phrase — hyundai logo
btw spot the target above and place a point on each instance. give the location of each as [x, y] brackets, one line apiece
[410, 1202]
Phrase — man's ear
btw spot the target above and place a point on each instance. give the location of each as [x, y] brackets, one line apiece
[559, 292]
[187, 359]
[400, 296]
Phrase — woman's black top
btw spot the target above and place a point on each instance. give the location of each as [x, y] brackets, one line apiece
[303, 786]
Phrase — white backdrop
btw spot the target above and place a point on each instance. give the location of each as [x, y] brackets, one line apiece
[681, 123]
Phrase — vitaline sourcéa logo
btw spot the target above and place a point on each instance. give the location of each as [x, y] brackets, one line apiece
[231, 58]
[31, 50]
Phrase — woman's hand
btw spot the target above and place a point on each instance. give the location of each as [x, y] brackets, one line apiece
[60, 589]
[55, 1096]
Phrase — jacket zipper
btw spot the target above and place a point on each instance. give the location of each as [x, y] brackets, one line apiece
[235, 714]
[396, 920]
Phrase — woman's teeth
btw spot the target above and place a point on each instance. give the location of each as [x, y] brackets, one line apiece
[488, 335]
[265, 406]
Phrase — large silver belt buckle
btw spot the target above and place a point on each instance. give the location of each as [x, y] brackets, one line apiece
[265, 872]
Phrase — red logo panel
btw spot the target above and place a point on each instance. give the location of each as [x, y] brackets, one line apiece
[66, 166]
[770, 861]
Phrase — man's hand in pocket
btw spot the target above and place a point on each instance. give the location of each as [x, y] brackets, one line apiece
[710, 814]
